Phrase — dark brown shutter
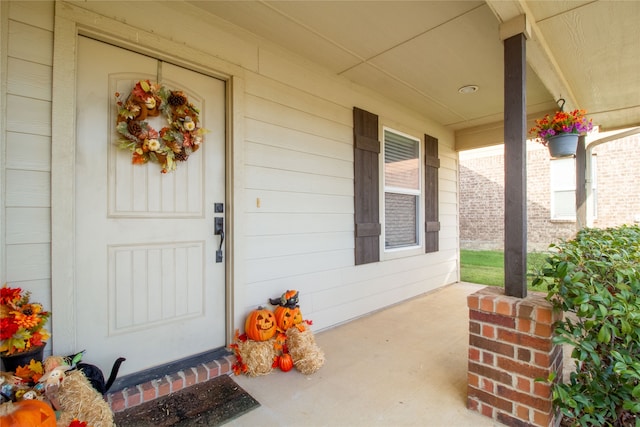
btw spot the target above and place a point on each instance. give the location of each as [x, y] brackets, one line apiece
[366, 148]
[432, 223]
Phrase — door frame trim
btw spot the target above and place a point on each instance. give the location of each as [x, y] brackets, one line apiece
[72, 21]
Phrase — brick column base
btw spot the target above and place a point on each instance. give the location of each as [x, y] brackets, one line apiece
[509, 347]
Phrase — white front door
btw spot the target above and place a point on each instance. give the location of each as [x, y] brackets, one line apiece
[147, 284]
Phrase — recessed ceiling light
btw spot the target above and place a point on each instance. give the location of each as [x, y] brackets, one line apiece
[468, 89]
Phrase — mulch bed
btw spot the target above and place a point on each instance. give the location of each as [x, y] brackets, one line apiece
[206, 404]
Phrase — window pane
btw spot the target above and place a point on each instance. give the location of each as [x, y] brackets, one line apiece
[401, 167]
[401, 211]
[564, 204]
[594, 186]
[563, 186]
[563, 174]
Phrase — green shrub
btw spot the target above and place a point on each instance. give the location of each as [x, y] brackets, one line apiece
[595, 280]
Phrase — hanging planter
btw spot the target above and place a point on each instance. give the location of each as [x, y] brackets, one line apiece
[562, 145]
[560, 133]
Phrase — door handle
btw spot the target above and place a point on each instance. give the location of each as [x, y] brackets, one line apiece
[218, 230]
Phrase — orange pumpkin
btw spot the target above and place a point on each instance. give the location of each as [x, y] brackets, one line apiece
[27, 413]
[260, 325]
[287, 317]
[285, 362]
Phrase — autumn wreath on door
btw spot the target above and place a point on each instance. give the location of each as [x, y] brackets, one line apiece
[173, 143]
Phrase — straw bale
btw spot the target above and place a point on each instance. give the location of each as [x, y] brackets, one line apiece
[78, 399]
[258, 356]
[307, 356]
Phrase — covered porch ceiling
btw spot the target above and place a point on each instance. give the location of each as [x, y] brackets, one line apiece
[420, 53]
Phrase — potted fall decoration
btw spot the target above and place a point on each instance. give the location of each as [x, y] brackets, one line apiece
[22, 333]
[560, 133]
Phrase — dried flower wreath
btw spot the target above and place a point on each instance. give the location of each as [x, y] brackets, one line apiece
[173, 143]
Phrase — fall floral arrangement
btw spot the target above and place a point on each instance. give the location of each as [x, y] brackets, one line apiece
[561, 122]
[21, 322]
[173, 143]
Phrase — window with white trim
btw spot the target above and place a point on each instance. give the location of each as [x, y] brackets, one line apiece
[592, 196]
[563, 189]
[402, 190]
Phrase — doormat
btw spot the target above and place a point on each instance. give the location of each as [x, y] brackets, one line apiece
[210, 403]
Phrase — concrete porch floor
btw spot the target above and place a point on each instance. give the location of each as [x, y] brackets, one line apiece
[402, 366]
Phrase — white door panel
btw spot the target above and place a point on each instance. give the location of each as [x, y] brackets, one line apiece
[147, 284]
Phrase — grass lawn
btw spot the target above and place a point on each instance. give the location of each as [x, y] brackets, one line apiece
[487, 267]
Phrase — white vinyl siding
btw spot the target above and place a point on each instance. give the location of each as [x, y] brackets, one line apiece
[26, 237]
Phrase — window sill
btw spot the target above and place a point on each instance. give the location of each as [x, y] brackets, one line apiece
[390, 254]
[562, 221]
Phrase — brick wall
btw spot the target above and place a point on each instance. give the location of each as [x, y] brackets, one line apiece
[482, 194]
[482, 201]
[510, 346]
[618, 182]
